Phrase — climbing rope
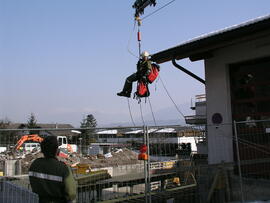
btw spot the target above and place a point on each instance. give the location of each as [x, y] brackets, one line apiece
[142, 114]
[152, 111]
[130, 113]
[129, 40]
[171, 98]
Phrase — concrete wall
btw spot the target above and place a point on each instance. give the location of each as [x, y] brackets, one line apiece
[123, 169]
[218, 93]
[128, 169]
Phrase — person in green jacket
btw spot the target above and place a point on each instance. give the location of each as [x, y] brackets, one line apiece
[143, 69]
[50, 178]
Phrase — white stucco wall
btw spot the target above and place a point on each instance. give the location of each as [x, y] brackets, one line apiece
[218, 93]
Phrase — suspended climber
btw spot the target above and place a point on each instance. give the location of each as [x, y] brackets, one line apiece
[144, 67]
[147, 71]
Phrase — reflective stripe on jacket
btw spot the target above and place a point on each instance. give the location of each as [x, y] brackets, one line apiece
[46, 176]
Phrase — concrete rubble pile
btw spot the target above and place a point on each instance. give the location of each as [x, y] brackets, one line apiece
[119, 157]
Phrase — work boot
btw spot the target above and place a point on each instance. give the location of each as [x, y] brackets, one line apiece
[123, 94]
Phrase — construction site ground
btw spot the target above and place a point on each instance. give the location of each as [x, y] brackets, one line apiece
[119, 157]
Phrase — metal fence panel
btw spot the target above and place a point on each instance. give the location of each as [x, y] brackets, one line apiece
[253, 158]
[12, 193]
[105, 162]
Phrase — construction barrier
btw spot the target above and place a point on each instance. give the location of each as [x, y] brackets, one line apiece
[180, 165]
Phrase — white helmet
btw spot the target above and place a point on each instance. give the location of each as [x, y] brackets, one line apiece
[144, 54]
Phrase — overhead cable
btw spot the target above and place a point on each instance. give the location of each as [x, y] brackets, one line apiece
[158, 9]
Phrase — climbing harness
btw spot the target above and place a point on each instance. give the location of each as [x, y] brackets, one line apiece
[142, 86]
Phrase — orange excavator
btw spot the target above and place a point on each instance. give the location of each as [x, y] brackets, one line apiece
[24, 138]
[36, 138]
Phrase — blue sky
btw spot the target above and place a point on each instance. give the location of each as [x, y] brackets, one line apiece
[64, 59]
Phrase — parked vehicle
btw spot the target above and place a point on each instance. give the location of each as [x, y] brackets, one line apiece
[3, 149]
[62, 142]
[29, 147]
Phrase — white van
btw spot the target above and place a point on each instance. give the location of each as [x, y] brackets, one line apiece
[29, 147]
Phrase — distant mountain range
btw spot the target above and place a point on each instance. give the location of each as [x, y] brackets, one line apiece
[165, 116]
[148, 122]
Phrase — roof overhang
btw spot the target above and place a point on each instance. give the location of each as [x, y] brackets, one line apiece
[202, 47]
[107, 132]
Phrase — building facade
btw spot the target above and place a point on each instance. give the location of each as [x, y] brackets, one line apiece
[236, 61]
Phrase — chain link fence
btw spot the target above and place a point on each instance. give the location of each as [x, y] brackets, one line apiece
[109, 164]
[253, 158]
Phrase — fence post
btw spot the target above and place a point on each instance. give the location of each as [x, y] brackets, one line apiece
[145, 168]
[238, 162]
[148, 164]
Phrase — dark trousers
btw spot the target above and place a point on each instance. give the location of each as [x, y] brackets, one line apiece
[128, 84]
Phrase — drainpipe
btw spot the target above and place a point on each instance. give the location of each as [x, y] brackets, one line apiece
[187, 72]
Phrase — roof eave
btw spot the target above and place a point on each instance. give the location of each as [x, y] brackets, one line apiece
[202, 47]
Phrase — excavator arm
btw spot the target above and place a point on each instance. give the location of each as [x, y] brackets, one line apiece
[25, 138]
